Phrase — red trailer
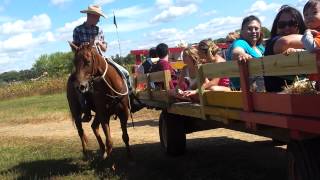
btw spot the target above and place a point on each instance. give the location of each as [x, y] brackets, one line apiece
[290, 118]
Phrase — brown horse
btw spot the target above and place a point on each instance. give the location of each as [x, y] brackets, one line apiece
[108, 95]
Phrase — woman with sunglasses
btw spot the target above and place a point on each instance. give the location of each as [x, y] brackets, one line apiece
[248, 46]
[286, 33]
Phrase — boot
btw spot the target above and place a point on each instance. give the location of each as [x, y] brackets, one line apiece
[135, 103]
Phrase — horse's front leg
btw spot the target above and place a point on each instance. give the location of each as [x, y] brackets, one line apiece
[106, 130]
[95, 127]
[83, 138]
[75, 110]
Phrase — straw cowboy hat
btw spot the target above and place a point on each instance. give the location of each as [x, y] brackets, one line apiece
[94, 9]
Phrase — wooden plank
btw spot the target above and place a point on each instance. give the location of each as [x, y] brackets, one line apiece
[222, 114]
[154, 104]
[274, 65]
[186, 109]
[141, 78]
[144, 95]
[158, 76]
[291, 104]
[200, 81]
[161, 95]
[310, 125]
[167, 79]
[224, 69]
[232, 99]
[278, 65]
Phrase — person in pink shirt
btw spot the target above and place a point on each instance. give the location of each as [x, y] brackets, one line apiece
[163, 64]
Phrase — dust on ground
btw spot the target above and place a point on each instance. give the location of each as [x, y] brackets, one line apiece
[145, 129]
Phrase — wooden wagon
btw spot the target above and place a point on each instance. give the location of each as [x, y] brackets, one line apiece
[290, 118]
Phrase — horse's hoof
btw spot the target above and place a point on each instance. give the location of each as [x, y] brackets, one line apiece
[85, 156]
[104, 155]
[113, 167]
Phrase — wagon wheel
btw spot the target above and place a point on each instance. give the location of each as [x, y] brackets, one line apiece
[303, 160]
[172, 134]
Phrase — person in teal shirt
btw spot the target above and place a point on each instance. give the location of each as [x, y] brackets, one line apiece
[248, 46]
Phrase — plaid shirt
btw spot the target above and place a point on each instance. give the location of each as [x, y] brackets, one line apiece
[85, 33]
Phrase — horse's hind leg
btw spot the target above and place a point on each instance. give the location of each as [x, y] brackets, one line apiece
[106, 130]
[95, 127]
[125, 137]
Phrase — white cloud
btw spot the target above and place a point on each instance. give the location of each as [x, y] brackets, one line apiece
[102, 2]
[161, 4]
[40, 22]
[209, 13]
[174, 12]
[127, 26]
[260, 6]
[65, 33]
[18, 51]
[59, 2]
[25, 41]
[183, 2]
[130, 12]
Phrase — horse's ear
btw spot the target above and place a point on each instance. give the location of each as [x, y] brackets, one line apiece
[73, 46]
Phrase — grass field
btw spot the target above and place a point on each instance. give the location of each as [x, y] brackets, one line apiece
[39, 141]
[33, 109]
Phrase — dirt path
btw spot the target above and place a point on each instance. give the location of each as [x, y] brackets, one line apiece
[145, 130]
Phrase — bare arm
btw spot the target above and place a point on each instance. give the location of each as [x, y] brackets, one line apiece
[286, 42]
[240, 55]
[308, 41]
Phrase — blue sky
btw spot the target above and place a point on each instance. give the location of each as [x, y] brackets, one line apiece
[30, 28]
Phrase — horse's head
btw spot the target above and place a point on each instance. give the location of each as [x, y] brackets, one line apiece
[85, 62]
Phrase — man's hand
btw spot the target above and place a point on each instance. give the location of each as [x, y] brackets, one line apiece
[102, 45]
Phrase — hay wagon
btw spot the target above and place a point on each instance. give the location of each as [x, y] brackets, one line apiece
[290, 118]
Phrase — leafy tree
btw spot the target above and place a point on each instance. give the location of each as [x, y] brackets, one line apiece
[266, 32]
[220, 40]
[10, 76]
[56, 64]
[129, 59]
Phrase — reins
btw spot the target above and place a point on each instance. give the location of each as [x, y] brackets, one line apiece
[103, 77]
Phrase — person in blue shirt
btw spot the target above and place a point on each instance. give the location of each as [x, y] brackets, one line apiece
[248, 46]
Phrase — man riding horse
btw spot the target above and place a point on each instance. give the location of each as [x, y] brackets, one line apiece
[87, 32]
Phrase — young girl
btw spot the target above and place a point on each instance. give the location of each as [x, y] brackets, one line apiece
[311, 37]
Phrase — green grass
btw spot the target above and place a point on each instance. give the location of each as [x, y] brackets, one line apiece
[34, 108]
[40, 158]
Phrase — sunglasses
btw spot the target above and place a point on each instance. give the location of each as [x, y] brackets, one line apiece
[291, 23]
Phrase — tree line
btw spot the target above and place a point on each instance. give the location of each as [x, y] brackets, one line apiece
[54, 65]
